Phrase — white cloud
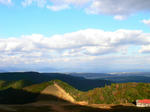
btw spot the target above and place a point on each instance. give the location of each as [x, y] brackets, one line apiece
[73, 2]
[90, 41]
[66, 4]
[147, 22]
[58, 8]
[6, 2]
[118, 7]
[118, 17]
[145, 49]
[90, 45]
[57, 4]
[40, 3]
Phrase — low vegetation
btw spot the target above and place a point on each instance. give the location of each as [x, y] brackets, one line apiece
[14, 84]
[110, 94]
[37, 88]
[118, 93]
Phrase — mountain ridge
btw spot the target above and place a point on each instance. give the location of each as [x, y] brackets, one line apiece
[35, 77]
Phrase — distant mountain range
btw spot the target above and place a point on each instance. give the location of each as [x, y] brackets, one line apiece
[35, 77]
[2, 71]
[121, 77]
[113, 74]
[81, 81]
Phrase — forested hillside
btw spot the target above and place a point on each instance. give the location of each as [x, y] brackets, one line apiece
[36, 78]
[117, 93]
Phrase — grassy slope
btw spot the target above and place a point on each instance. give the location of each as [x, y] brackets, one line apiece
[14, 84]
[37, 88]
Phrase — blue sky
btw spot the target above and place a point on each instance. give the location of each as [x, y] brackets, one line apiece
[75, 36]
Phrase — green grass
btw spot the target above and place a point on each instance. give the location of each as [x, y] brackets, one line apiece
[14, 84]
[37, 88]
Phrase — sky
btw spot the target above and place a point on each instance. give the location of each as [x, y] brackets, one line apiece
[75, 35]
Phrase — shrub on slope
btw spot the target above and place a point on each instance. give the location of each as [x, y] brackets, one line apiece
[118, 93]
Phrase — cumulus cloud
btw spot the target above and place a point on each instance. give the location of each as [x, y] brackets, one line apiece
[83, 42]
[90, 41]
[147, 22]
[77, 47]
[5, 2]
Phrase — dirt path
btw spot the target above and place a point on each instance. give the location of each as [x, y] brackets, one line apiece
[56, 90]
[66, 95]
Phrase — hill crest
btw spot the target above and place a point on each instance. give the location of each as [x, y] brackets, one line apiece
[58, 91]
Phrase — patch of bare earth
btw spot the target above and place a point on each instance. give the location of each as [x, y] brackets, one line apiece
[59, 92]
[108, 106]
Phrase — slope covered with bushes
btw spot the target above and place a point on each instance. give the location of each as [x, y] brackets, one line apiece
[112, 94]
[118, 93]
